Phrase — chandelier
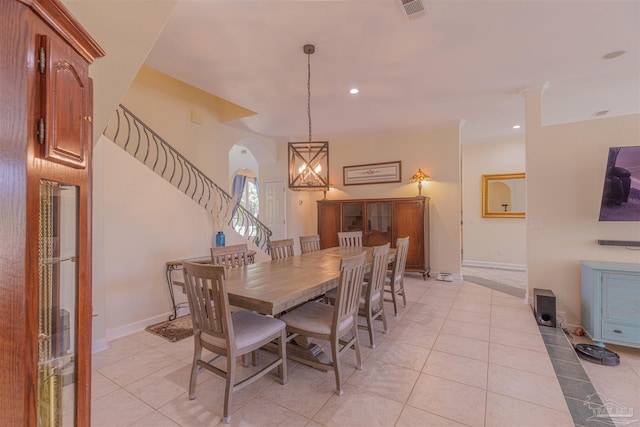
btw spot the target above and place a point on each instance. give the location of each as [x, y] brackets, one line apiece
[309, 161]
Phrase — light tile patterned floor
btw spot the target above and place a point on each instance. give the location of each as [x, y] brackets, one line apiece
[459, 354]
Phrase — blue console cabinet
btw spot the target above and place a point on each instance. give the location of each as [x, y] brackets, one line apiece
[611, 302]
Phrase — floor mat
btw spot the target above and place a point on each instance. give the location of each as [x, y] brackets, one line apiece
[173, 330]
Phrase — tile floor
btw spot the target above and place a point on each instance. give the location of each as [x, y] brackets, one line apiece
[459, 354]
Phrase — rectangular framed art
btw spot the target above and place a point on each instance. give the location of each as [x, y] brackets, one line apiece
[373, 173]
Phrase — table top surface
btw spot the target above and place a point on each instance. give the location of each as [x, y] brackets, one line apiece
[271, 287]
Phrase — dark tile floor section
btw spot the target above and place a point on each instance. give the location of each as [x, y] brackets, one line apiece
[580, 395]
[501, 287]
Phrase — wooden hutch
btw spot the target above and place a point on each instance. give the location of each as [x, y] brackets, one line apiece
[381, 221]
[45, 210]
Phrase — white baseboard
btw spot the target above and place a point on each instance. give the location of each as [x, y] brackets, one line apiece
[123, 331]
[494, 265]
[131, 328]
[99, 345]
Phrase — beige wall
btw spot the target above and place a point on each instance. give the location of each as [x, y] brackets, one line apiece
[437, 152]
[491, 242]
[126, 30]
[565, 173]
[139, 220]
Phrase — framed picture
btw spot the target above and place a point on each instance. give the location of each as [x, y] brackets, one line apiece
[374, 173]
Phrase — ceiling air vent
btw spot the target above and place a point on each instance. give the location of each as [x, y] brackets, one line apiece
[599, 114]
[413, 8]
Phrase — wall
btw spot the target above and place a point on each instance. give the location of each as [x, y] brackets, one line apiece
[491, 242]
[126, 30]
[437, 152]
[565, 171]
[140, 221]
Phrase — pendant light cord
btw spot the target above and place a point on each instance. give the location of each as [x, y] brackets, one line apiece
[309, 92]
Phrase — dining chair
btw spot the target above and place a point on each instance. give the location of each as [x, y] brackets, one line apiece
[372, 298]
[231, 256]
[350, 238]
[228, 335]
[310, 243]
[394, 283]
[280, 249]
[331, 323]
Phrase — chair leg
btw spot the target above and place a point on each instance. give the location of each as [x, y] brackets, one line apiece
[384, 318]
[393, 298]
[372, 340]
[282, 352]
[356, 345]
[197, 356]
[335, 354]
[231, 378]
[404, 296]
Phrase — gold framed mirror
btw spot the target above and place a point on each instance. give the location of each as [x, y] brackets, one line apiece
[503, 195]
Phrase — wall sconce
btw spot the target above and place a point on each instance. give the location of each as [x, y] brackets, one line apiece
[309, 161]
[419, 177]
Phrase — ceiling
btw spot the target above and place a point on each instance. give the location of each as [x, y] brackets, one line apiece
[462, 61]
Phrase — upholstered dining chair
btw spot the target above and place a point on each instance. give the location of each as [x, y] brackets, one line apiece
[309, 243]
[231, 256]
[227, 335]
[394, 283]
[331, 323]
[372, 298]
[350, 238]
[280, 249]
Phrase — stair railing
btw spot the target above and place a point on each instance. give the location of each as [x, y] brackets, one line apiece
[139, 140]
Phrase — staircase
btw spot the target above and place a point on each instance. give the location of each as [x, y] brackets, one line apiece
[136, 138]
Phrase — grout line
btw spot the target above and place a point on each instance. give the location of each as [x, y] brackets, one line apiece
[579, 409]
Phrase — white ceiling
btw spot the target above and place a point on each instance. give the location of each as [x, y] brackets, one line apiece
[463, 60]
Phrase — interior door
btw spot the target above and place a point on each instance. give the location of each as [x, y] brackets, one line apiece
[274, 211]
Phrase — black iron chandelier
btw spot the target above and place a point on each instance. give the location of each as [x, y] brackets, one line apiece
[309, 161]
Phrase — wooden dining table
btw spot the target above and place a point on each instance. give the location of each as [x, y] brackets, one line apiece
[273, 287]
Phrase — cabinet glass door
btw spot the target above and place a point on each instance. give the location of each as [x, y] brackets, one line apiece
[352, 216]
[58, 281]
[378, 230]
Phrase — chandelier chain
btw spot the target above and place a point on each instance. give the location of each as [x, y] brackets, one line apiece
[309, 92]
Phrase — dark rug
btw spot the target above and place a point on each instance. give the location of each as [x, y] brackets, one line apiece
[173, 330]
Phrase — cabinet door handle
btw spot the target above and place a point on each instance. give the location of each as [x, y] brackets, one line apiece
[617, 331]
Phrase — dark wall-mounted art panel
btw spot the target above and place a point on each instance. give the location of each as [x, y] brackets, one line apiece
[621, 190]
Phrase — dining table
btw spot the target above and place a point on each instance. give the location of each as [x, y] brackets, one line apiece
[273, 287]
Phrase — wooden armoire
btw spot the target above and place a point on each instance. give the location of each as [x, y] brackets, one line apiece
[381, 221]
[45, 215]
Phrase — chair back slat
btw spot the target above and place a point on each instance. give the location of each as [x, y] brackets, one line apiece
[309, 243]
[350, 238]
[208, 300]
[281, 249]
[402, 248]
[349, 289]
[378, 271]
[230, 256]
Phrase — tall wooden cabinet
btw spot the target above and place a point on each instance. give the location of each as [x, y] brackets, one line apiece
[45, 228]
[381, 221]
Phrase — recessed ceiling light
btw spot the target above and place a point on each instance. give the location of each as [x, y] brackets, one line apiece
[614, 54]
[516, 126]
[353, 91]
